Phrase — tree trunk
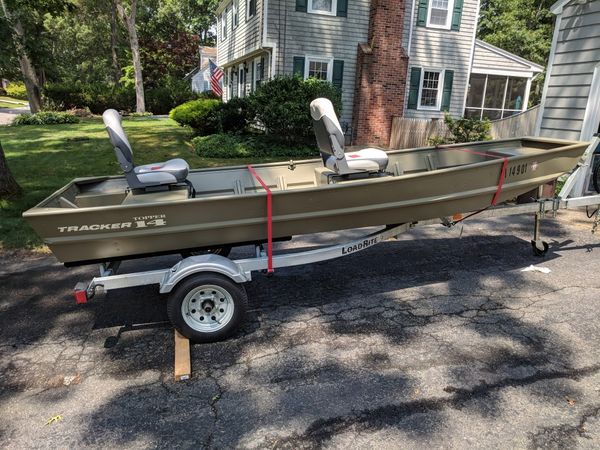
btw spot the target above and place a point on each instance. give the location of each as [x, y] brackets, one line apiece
[8, 185]
[114, 42]
[30, 78]
[129, 20]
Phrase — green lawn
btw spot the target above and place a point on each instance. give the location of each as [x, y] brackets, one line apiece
[11, 103]
[45, 158]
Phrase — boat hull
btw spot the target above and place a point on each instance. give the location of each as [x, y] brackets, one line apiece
[123, 231]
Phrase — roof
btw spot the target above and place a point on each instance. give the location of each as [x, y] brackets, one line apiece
[491, 59]
[206, 54]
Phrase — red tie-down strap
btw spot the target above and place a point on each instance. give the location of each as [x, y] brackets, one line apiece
[500, 179]
[269, 218]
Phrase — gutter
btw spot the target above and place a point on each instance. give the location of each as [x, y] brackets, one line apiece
[412, 24]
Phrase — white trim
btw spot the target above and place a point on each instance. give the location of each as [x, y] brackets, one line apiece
[224, 24]
[265, 24]
[557, 8]
[527, 92]
[502, 72]
[329, 61]
[440, 90]
[591, 120]
[448, 24]
[333, 12]
[538, 124]
[473, 41]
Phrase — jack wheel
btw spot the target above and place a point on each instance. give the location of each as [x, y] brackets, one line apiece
[540, 248]
[207, 307]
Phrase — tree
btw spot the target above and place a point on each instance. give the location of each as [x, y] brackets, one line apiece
[8, 185]
[128, 16]
[522, 27]
[28, 71]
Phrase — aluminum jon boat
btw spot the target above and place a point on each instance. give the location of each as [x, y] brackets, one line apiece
[167, 208]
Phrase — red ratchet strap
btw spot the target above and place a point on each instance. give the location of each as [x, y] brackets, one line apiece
[269, 219]
[500, 180]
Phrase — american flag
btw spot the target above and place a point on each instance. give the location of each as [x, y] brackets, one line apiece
[215, 78]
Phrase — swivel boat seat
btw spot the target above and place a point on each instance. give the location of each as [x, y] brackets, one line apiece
[330, 138]
[148, 177]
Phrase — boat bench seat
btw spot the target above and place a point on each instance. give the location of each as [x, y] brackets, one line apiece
[169, 172]
[330, 140]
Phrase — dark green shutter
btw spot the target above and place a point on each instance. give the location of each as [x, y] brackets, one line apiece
[457, 14]
[413, 93]
[422, 14]
[342, 8]
[447, 92]
[301, 5]
[338, 73]
[299, 66]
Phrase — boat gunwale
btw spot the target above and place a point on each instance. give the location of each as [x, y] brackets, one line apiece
[39, 210]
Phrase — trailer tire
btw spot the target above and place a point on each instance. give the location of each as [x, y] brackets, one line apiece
[207, 307]
[221, 251]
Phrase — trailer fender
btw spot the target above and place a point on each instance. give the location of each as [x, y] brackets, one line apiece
[202, 263]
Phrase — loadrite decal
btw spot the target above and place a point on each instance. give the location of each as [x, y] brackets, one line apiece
[159, 220]
[360, 246]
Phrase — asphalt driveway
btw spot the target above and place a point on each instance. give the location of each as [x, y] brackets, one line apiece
[431, 341]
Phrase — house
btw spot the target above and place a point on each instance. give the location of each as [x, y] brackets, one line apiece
[570, 107]
[499, 84]
[411, 58]
[200, 76]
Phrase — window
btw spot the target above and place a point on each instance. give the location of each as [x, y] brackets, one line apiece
[319, 68]
[430, 91]
[322, 7]
[224, 24]
[440, 13]
[235, 9]
[495, 96]
[242, 81]
[259, 71]
[251, 8]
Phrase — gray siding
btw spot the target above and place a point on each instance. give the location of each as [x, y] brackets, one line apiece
[305, 34]
[577, 53]
[244, 39]
[485, 58]
[443, 49]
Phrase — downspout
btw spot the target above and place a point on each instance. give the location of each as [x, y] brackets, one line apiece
[538, 124]
[464, 104]
[270, 47]
[412, 24]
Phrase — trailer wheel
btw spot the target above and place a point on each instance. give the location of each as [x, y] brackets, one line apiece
[540, 248]
[207, 307]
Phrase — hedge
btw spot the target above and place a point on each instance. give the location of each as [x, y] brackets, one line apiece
[45, 118]
[249, 146]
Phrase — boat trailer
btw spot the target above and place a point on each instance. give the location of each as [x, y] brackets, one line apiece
[207, 298]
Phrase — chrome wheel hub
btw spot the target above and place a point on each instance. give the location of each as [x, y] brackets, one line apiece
[207, 308]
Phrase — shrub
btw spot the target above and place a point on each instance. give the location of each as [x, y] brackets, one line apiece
[45, 118]
[98, 97]
[235, 115]
[249, 146]
[282, 104]
[170, 92]
[201, 115]
[463, 130]
[17, 90]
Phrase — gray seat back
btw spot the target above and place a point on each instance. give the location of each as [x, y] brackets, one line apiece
[329, 134]
[118, 138]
